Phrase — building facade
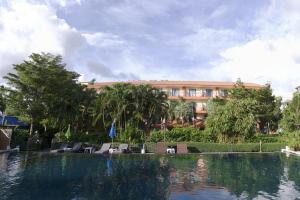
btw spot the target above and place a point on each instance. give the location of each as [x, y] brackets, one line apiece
[198, 92]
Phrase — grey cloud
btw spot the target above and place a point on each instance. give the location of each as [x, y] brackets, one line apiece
[297, 59]
[104, 71]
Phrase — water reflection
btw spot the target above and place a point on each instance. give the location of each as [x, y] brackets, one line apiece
[81, 176]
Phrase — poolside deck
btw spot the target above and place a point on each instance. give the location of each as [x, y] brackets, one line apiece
[10, 150]
[289, 151]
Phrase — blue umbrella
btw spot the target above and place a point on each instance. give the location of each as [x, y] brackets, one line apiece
[113, 132]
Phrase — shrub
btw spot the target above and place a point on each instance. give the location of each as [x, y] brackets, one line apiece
[265, 139]
[157, 136]
[293, 140]
[19, 138]
[199, 147]
[90, 137]
[181, 135]
[132, 135]
[202, 136]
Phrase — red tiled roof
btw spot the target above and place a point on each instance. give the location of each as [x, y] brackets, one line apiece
[166, 83]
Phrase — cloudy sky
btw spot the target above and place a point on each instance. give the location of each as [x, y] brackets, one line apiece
[255, 40]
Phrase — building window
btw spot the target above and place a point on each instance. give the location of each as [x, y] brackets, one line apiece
[223, 93]
[208, 92]
[175, 92]
[192, 92]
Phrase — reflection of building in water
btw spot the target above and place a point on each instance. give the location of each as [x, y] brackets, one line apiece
[163, 161]
[190, 179]
[3, 162]
[202, 171]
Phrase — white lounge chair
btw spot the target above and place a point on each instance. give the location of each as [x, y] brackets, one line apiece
[104, 149]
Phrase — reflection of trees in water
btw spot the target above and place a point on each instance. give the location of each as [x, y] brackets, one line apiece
[10, 167]
[130, 179]
[74, 176]
[70, 176]
[293, 170]
[250, 174]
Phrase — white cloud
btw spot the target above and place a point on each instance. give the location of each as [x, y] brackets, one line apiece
[103, 40]
[205, 42]
[273, 55]
[64, 3]
[27, 28]
[263, 61]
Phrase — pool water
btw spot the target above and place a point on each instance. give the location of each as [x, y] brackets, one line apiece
[187, 177]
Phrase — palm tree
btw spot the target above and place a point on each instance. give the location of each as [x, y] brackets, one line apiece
[183, 110]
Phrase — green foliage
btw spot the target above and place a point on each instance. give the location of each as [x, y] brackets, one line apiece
[89, 137]
[19, 138]
[183, 110]
[132, 135]
[201, 147]
[234, 120]
[46, 95]
[292, 139]
[181, 135]
[291, 114]
[267, 108]
[265, 138]
[157, 136]
[2, 99]
[134, 107]
[202, 136]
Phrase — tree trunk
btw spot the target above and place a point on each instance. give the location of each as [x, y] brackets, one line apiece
[31, 128]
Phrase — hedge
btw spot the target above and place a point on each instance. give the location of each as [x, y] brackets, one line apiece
[180, 135]
[265, 139]
[19, 138]
[198, 147]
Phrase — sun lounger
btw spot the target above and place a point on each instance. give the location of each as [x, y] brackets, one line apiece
[61, 148]
[123, 148]
[182, 149]
[104, 149]
[75, 149]
[160, 148]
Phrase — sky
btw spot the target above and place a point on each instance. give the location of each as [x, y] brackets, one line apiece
[117, 40]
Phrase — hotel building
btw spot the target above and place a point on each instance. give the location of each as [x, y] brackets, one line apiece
[198, 92]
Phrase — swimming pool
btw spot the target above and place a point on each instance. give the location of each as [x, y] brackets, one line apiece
[84, 176]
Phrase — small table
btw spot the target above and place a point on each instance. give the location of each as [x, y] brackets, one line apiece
[89, 150]
[171, 150]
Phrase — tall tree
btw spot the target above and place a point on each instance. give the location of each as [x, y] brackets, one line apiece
[44, 93]
[266, 109]
[183, 110]
[291, 114]
[237, 116]
[2, 99]
[135, 106]
[234, 120]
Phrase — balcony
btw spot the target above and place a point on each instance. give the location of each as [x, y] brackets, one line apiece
[189, 97]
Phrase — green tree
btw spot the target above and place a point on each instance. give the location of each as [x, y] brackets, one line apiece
[137, 107]
[2, 99]
[233, 121]
[267, 109]
[183, 111]
[291, 114]
[44, 93]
